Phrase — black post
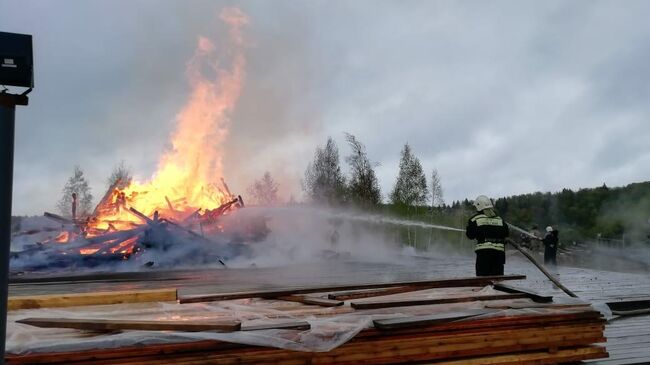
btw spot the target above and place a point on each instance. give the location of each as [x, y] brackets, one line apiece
[7, 126]
[8, 104]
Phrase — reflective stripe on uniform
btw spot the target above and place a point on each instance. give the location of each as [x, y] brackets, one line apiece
[485, 221]
[490, 245]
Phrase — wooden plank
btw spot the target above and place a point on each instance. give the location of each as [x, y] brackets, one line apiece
[298, 325]
[127, 352]
[112, 325]
[538, 357]
[422, 321]
[534, 296]
[346, 354]
[369, 293]
[94, 298]
[536, 305]
[507, 322]
[422, 347]
[311, 300]
[413, 302]
[274, 293]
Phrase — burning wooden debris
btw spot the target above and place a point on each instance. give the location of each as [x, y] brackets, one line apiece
[118, 229]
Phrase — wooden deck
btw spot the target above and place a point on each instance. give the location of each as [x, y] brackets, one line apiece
[628, 338]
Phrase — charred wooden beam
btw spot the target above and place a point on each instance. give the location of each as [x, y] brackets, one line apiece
[105, 198]
[169, 204]
[225, 186]
[58, 218]
[138, 214]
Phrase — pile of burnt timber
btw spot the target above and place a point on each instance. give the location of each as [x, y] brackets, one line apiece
[116, 231]
[412, 322]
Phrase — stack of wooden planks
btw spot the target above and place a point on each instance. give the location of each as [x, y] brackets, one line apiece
[515, 326]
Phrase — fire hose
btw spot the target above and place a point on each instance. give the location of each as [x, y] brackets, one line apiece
[530, 258]
[618, 312]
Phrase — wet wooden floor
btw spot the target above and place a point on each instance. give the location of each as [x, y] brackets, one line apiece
[628, 338]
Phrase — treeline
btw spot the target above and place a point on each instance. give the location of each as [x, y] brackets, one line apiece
[619, 214]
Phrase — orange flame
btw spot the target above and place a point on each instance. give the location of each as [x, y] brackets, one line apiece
[186, 176]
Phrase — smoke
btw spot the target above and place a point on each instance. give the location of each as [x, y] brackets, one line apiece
[309, 234]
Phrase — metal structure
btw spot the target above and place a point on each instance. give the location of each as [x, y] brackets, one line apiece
[16, 69]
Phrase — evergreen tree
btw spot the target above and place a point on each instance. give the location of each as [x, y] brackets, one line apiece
[363, 186]
[411, 185]
[264, 191]
[324, 183]
[78, 185]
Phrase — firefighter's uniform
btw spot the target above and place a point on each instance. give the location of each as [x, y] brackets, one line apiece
[490, 232]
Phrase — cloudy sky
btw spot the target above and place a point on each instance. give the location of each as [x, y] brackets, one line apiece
[502, 97]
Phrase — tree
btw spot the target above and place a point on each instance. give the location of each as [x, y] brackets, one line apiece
[324, 183]
[436, 190]
[363, 187]
[121, 173]
[264, 191]
[411, 185]
[78, 185]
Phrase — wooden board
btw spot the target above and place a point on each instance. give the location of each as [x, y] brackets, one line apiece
[297, 325]
[534, 296]
[113, 325]
[369, 293]
[274, 293]
[311, 300]
[406, 303]
[421, 321]
[94, 298]
[539, 357]
[376, 351]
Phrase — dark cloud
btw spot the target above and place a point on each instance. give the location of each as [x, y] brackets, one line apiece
[501, 97]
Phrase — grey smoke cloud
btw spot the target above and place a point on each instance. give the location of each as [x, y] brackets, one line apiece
[502, 97]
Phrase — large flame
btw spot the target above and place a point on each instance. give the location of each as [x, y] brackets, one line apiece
[188, 174]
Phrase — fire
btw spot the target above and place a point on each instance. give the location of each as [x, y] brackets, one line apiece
[186, 178]
[63, 237]
[88, 251]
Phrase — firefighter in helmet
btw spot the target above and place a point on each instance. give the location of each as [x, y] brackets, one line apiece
[550, 242]
[490, 232]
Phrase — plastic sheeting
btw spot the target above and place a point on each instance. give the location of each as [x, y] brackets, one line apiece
[330, 327]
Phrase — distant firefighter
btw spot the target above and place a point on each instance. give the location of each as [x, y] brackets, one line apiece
[550, 241]
[490, 233]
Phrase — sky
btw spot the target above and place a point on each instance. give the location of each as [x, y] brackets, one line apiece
[501, 97]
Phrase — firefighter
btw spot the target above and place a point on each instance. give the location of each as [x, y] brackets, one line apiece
[490, 233]
[550, 241]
